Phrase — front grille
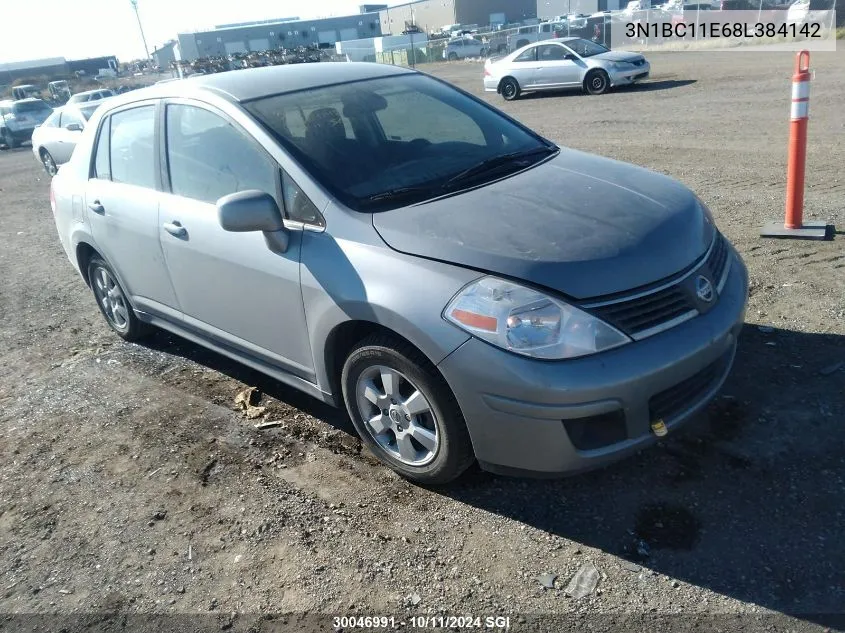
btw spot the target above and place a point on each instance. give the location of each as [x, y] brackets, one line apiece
[718, 258]
[677, 399]
[646, 314]
[643, 313]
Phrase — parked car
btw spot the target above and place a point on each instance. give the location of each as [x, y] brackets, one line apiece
[563, 63]
[91, 95]
[464, 47]
[54, 140]
[19, 118]
[383, 241]
[526, 35]
[26, 91]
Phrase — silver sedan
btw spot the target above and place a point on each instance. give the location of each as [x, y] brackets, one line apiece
[54, 140]
[564, 63]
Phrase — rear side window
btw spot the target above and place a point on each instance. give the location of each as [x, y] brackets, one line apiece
[209, 158]
[102, 165]
[527, 56]
[132, 151]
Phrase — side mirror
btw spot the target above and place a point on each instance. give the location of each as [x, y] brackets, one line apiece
[253, 210]
[73, 127]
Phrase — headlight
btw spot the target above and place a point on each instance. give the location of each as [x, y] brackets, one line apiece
[528, 322]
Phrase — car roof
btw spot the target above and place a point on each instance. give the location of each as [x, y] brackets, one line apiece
[253, 83]
[28, 100]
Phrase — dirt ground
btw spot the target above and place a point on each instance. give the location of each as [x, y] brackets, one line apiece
[130, 485]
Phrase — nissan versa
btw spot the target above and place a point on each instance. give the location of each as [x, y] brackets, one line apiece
[382, 240]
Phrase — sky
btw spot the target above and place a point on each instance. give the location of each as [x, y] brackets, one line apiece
[77, 29]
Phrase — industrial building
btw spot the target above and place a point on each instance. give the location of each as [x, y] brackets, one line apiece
[553, 8]
[54, 67]
[432, 15]
[165, 54]
[276, 34]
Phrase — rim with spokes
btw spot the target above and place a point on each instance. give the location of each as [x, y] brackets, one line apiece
[111, 298]
[508, 89]
[397, 415]
[597, 81]
[49, 163]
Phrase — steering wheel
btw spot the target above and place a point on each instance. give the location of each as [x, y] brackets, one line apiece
[419, 143]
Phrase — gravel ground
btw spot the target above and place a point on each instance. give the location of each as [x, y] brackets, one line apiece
[130, 484]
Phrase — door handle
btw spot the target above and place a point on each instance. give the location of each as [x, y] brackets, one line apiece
[96, 207]
[175, 228]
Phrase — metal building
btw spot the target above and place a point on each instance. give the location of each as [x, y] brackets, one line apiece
[553, 8]
[272, 35]
[432, 15]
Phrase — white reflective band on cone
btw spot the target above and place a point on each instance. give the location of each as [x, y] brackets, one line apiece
[801, 90]
[800, 110]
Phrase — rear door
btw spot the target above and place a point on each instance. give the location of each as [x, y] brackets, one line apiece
[230, 286]
[122, 198]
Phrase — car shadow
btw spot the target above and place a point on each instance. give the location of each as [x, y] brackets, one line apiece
[647, 86]
[748, 502]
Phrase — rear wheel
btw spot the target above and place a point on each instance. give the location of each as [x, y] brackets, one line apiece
[453, 57]
[596, 82]
[509, 89]
[112, 301]
[10, 140]
[48, 162]
[404, 411]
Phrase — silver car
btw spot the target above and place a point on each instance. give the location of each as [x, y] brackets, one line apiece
[563, 63]
[467, 289]
[91, 95]
[54, 140]
[463, 48]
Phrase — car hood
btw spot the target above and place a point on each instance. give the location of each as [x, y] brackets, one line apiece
[617, 56]
[579, 224]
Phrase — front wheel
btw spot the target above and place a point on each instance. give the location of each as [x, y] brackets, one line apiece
[597, 82]
[404, 411]
[509, 89]
[453, 57]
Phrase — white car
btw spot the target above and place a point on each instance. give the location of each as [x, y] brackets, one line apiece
[91, 95]
[54, 140]
[563, 63]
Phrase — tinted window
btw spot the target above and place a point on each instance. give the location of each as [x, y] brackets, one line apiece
[527, 56]
[133, 147]
[31, 106]
[102, 164]
[586, 48]
[209, 158]
[406, 131]
[551, 53]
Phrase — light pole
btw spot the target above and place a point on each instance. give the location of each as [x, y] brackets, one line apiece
[138, 16]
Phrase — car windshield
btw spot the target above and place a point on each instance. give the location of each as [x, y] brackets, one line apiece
[384, 143]
[31, 106]
[586, 48]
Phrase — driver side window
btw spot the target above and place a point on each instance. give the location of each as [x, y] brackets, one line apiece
[551, 53]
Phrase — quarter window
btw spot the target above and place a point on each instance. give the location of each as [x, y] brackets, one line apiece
[133, 148]
[527, 56]
[209, 158]
[297, 205]
[102, 164]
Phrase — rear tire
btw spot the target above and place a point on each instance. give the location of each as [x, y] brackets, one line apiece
[509, 88]
[112, 301]
[404, 411]
[453, 57]
[596, 82]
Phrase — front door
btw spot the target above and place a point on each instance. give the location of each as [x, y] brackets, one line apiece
[556, 66]
[122, 199]
[230, 286]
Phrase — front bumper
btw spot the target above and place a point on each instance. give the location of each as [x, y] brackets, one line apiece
[561, 417]
[630, 75]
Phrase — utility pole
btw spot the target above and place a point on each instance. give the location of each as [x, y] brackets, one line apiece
[140, 27]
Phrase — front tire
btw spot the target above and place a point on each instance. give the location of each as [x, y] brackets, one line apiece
[453, 57]
[596, 82]
[49, 163]
[509, 88]
[404, 411]
[112, 301]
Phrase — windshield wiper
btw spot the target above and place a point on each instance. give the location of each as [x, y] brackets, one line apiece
[403, 193]
[498, 161]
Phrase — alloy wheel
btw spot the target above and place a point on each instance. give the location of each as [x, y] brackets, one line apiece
[397, 415]
[111, 298]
